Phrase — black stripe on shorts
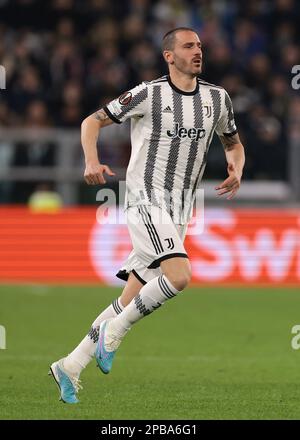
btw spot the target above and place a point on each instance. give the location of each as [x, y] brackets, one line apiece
[152, 232]
[153, 228]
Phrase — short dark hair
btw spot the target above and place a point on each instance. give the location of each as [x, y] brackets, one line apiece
[169, 38]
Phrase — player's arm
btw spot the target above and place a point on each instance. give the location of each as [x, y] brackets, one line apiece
[235, 156]
[90, 129]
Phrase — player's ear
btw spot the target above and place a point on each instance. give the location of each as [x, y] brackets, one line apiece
[168, 56]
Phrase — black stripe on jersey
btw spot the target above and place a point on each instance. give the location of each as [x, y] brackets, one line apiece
[136, 100]
[154, 140]
[174, 148]
[203, 163]
[111, 116]
[205, 83]
[151, 232]
[230, 134]
[228, 103]
[216, 104]
[182, 92]
[158, 80]
[198, 122]
[153, 228]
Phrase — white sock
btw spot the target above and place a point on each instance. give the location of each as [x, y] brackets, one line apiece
[150, 297]
[76, 361]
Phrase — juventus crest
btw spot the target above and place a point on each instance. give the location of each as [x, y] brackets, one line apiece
[207, 110]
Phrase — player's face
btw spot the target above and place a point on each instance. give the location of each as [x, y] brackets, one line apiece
[187, 53]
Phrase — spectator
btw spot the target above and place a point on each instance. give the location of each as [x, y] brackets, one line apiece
[73, 54]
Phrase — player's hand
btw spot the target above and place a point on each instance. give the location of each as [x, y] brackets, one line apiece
[231, 185]
[93, 174]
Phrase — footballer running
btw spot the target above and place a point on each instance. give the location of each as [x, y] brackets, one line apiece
[173, 119]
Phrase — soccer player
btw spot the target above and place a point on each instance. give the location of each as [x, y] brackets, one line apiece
[173, 119]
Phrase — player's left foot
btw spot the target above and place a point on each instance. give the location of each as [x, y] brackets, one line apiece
[68, 385]
[107, 346]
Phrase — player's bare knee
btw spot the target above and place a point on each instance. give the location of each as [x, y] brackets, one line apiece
[180, 276]
[180, 281]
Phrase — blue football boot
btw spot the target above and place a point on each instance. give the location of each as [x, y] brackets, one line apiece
[68, 385]
[106, 348]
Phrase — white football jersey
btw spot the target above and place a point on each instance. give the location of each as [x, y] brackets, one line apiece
[171, 131]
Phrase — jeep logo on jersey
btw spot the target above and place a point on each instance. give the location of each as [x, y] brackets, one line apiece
[181, 132]
[125, 98]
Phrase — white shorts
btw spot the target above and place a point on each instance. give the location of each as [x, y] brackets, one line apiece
[154, 238]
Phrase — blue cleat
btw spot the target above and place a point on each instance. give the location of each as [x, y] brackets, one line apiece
[68, 385]
[105, 358]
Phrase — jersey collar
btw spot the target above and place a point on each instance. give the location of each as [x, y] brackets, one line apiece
[182, 92]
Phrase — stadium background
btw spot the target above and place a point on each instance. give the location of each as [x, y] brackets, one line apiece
[65, 59]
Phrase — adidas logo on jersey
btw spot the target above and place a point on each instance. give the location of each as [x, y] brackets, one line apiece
[168, 110]
[191, 133]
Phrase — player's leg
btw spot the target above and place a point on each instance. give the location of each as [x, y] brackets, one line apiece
[131, 289]
[151, 296]
[173, 276]
[177, 271]
[176, 274]
[66, 371]
[80, 357]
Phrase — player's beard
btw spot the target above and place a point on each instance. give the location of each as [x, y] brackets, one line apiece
[188, 68]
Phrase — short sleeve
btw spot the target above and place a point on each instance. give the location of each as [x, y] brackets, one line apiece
[226, 124]
[129, 105]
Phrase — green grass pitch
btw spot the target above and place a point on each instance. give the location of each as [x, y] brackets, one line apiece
[210, 353]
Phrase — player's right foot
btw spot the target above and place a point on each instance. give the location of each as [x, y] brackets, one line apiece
[106, 347]
[68, 385]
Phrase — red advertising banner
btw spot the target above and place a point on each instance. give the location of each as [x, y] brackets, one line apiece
[249, 246]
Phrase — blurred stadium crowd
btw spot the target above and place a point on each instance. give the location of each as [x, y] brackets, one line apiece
[66, 58]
